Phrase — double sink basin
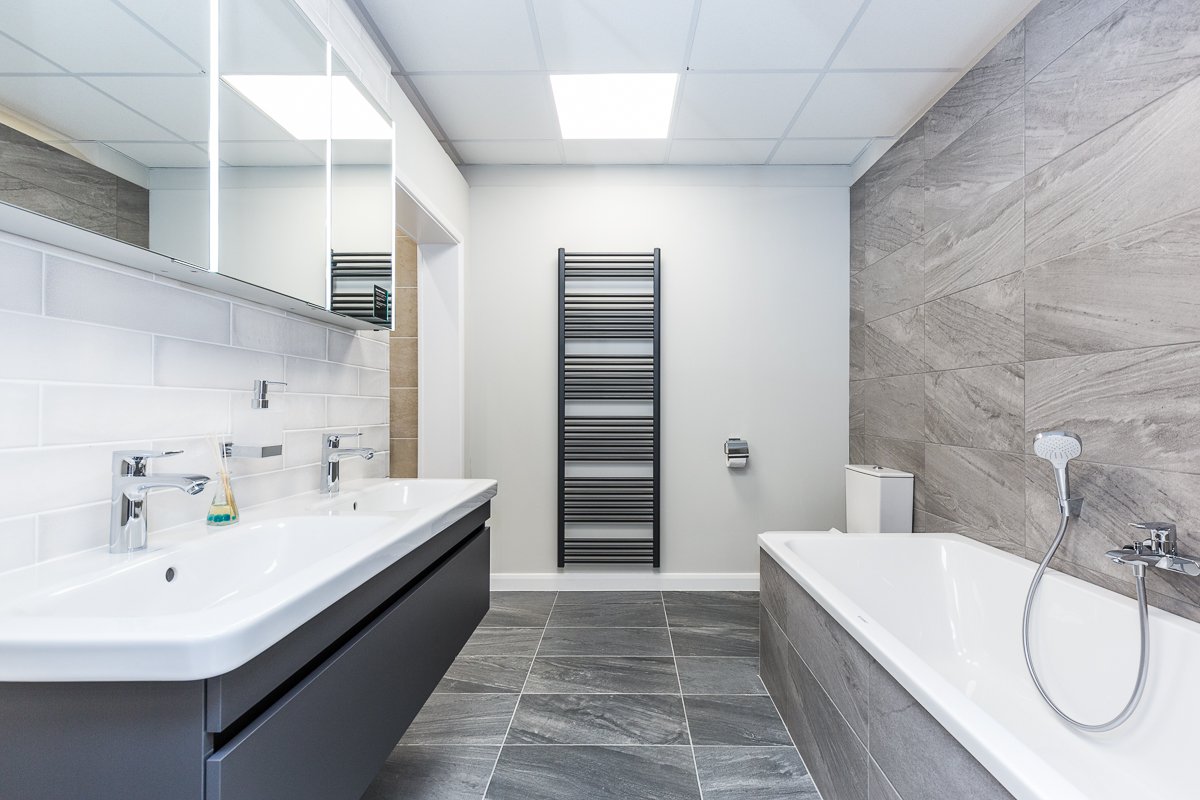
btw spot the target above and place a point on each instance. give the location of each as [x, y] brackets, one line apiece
[200, 602]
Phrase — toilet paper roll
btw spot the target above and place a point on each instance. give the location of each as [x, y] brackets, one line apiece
[738, 462]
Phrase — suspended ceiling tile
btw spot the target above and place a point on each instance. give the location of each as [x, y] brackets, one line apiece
[75, 109]
[769, 34]
[509, 152]
[457, 35]
[739, 106]
[15, 58]
[721, 151]
[818, 151]
[867, 104]
[178, 103]
[491, 106]
[614, 35]
[268, 154]
[162, 155]
[240, 120]
[896, 34]
[609, 151]
[183, 23]
[90, 36]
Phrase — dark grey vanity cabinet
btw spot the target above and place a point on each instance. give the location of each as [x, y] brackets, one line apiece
[311, 718]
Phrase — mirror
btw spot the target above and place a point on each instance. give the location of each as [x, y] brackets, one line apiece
[105, 125]
[101, 105]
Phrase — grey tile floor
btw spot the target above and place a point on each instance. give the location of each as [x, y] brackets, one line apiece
[600, 696]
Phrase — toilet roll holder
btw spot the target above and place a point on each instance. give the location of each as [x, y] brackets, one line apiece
[737, 453]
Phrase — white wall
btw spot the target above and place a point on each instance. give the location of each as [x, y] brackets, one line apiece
[754, 314]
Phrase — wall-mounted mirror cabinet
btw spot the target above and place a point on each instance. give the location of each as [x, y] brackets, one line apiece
[114, 116]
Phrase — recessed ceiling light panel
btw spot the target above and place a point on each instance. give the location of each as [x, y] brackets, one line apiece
[300, 104]
[614, 106]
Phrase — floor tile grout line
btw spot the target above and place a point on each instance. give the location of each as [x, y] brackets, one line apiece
[487, 786]
[682, 702]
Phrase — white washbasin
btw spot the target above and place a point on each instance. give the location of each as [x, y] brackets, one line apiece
[233, 593]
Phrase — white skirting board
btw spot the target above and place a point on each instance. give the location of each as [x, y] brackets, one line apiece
[625, 581]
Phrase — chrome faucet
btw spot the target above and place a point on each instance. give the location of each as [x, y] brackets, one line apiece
[130, 486]
[1159, 550]
[332, 454]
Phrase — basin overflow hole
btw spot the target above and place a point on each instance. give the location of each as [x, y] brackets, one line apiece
[170, 576]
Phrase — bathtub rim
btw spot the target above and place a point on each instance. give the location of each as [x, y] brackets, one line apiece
[1019, 768]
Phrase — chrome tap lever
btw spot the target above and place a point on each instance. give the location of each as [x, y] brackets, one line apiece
[331, 456]
[1162, 539]
[130, 485]
[133, 462]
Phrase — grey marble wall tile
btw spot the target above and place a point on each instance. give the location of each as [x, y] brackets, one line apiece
[1054, 25]
[434, 772]
[1138, 290]
[894, 283]
[837, 662]
[754, 773]
[134, 232]
[646, 719]
[605, 642]
[858, 244]
[834, 755]
[602, 675]
[1135, 56]
[586, 773]
[858, 450]
[735, 721]
[858, 199]
[997, 76]
[931, 523]
[896, 407]
[858, 353]
[901, 454]
[895, 345]
[983, 244]
[857, 316]
[858, 408]
[1134, 408]
[878, 786]
[51, 204]
[979, 163]
[1140, 171]
[897, 167]
[979, 407]
[719, 675]
[918, 755]
[977, 326]
[42, 165]
[1114, 497]
[133, 201]
[982, 490]
[486, 674]
[894, 220]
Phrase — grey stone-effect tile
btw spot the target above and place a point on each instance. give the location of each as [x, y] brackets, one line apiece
[996, 77]
[1132, 408]
[1140, 171]
[837, 663]
[858, 199]
[462, 719]
[978, 407]
[918, 755]
[600, 598]
[894, 283]
[486, 674]
[901, 454]
[518, 609]
[47, 167]
[1054, 25]
[977, 326]
[1143, 50]
[610, 615]
[983, 244]
[895, 168]
[503, 642]
[858, 450]
[856, 300]
[835, 757]
[891, 222]
[434, 772]
[895, 345]
[982, 490]
[605, 642]
[754, 773]
[878, 786]
[983, 160]
[602, 675]
[735, 720]
[594, 773]
[1138, 290]
[614, 719]
[858, 353]
[895, 407]
[719, 675]
[858, 408]
[715, 641]
[691, 609]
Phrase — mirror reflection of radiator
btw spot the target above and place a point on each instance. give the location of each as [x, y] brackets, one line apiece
[609, 401]
[356, 283]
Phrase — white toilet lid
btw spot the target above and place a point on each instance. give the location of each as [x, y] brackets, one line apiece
[878, 472]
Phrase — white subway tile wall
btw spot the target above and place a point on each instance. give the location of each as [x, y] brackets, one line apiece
[99, 357]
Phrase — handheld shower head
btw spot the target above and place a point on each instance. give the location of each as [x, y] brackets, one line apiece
[1058, 447]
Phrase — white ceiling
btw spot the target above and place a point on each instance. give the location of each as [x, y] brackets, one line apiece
[763, 81]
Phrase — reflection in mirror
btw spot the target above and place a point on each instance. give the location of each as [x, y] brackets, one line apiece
[362, 232]
[273, 118]
[104, 112]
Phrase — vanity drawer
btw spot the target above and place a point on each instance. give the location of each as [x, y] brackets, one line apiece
[327, 737]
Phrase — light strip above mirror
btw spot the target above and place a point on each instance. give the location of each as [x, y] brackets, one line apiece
[301, 105]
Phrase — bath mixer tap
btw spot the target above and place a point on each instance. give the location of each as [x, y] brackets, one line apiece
[331, 455]
[130, 487]
[1160, 550]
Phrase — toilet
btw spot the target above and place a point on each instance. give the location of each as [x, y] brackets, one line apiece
[878, 499]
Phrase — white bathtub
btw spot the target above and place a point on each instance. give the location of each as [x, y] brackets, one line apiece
[942, 613]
